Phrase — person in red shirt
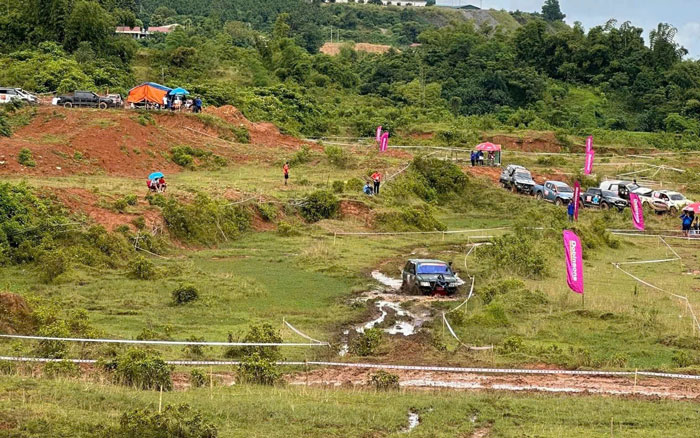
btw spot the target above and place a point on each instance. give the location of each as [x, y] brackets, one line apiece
[377, 178]
[285, 169]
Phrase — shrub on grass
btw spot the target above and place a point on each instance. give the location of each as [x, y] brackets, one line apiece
[131, 199]
[254, 368]
[354, 185]
[175, 421]
[197, 378]
[50, 348]
[145, 118]
[319, 205]
[25, 158]
[184, 294]
[120, 205]
[337, 156]
[409, 219]
[241, 134]
[53, 264]
[194, 350]
[5, 129]
[682, 359]
[383, 381]
[301, 156]
[517, 253]
[366, 343]
[141, 369]
[338, 186]
[139, 222]
[142, 269]
[286, 229]
[267, 211]
[511, 344]
[442, 176]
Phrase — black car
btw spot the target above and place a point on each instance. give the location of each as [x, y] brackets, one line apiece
[518, 179]
[603, 199]
[429, 277]
[85, 99]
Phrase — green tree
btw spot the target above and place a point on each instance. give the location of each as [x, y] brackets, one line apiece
[551, 11]
[88, 21]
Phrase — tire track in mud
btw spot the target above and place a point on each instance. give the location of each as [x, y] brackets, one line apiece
[654, 388]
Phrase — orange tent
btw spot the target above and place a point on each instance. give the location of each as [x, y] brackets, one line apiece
[148, 92]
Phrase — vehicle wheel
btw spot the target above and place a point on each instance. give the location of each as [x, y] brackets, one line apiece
[514, 189]
[68, 105]
[558, 202]
[604, 206]
[539, 196]
[102, 105]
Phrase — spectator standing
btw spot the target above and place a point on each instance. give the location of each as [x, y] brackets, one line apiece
[377, 179]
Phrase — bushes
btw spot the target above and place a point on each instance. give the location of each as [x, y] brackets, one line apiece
[63, 368]
[241, 134]
[258, 364]
[301, 156]
[185, 156]
[442, 176]
[181, 422]
[25, 158]
[366, 343]
[259, 370]
[410, 219]
[337, 156]
[205, 221]
[267, 211]
[516, 253]
[5, 130]
[354, 185]
[142, 269]
[319, 205]
[140, 369]
[53, 264]
[197, 378]
[184, 294]
[384, 381]
[338, 186]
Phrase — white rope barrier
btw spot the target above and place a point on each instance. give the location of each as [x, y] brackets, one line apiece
[401, 233]
[452, 332]
[149, 342]
[302, 334]
[601, 373]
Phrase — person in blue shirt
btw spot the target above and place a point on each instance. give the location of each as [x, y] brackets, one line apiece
[686, 222]
[570, 211]
[473, 157]
[198, 105]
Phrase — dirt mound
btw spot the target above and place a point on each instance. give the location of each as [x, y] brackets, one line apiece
[492, 173]
[261, 133]
[81, 201]
[15, 314]
[357, 209]
[544, 142]
[333, 49]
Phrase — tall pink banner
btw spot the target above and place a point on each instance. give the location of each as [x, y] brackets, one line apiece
[379, 133]
[589, 144]
[574, 261]
[589, 162]
[637, 211]
[384, 143]
[576, 198]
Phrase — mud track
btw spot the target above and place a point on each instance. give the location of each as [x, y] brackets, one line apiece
[652, 388]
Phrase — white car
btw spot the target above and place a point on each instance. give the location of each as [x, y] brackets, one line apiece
[9, 94]
[645, 195]
[668, 201]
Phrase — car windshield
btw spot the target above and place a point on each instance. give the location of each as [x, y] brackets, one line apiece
[632, 187]
[609, 194]
[677, 197]
[564, 189]
[522, 174]
[433, 268]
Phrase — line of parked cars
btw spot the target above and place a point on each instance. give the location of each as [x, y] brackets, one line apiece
[609, 194]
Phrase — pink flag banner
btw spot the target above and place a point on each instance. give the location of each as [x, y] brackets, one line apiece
[589, 144]
[384, 143]
[637, 211]
[576, 198]
[379, 133]
[574, 261]
[589, 162]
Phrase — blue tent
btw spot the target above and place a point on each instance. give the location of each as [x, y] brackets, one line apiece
[179, 91]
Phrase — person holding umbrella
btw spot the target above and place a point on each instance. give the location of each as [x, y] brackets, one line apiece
[156, 182]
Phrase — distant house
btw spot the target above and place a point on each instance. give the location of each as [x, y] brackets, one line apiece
[141, 33]
[418, 4]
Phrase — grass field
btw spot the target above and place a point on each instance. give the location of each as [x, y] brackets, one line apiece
[60, 408]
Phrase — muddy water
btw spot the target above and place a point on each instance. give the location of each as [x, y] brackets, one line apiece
[392, 283]
[413, 421]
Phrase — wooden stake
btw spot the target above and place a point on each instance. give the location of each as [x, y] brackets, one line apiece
[211, 383]
[635, 379]
[611, 427]
[160, 400]
[583, 301]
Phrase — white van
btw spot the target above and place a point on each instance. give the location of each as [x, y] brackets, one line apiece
[9, 94]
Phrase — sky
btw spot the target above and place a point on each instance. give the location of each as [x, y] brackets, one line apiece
[682, 14]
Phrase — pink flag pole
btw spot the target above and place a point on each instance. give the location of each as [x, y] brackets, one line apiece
[379, 134]
[637, 211]
[589, 144]
[384, 143]
[589, 162]
[576, 198]
[574, 261]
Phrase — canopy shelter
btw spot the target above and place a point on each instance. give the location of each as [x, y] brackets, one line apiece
[694, 207]
[148, 92]
[495, 149]
[179, 92]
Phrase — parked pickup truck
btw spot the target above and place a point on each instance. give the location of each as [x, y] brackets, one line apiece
[603, 199]
[554, 191]
[666, 201]
[85, 99]
[517, 178]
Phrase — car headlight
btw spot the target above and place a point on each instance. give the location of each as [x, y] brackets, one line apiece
[425, 283]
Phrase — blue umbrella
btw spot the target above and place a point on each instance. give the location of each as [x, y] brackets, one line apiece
[179, 91]
[155, 175]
